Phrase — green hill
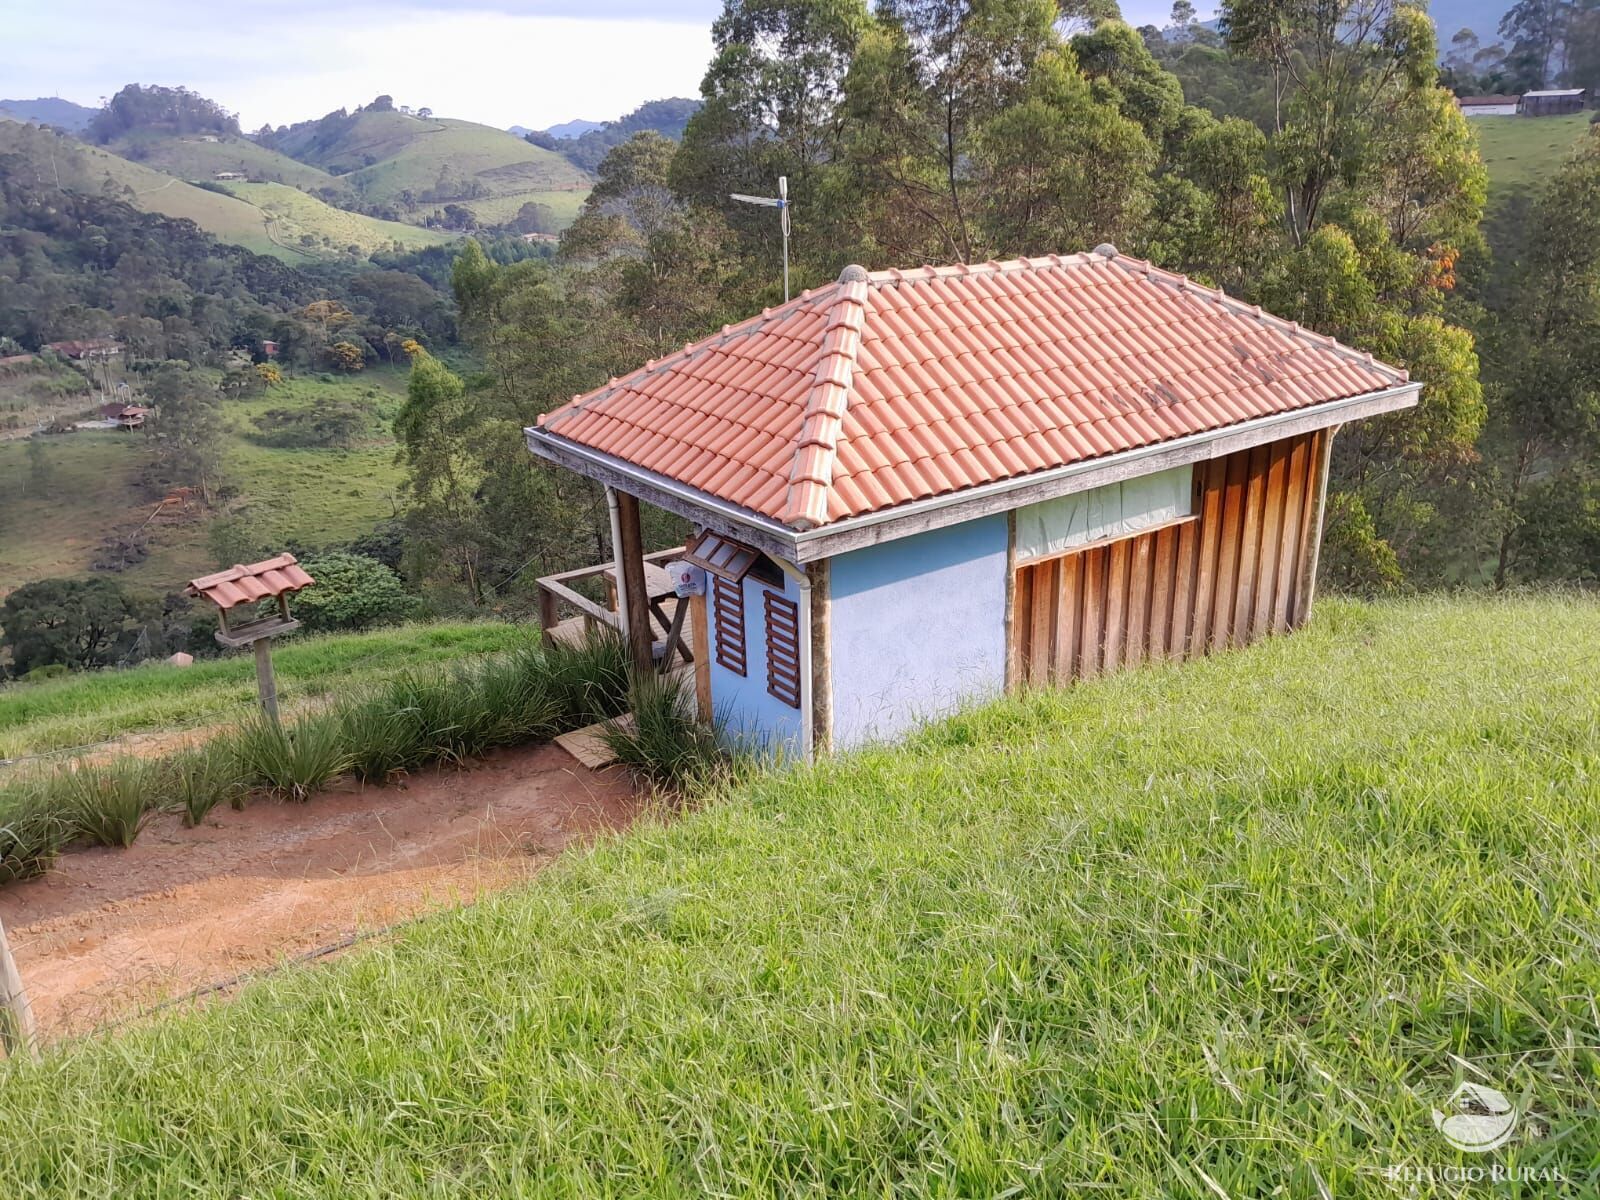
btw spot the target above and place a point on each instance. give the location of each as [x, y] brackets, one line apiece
[1229, 929]
[193, 157]
[420, 164]
[268, 218]
[309, 226]
[1523, 153]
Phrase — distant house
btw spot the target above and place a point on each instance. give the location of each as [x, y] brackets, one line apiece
[1488, 106]
[269, 348]
[542, 239]
[209, 137]
[78, 350]
[126, 416]
[914, 488]
[1553, 102]
[229, 176]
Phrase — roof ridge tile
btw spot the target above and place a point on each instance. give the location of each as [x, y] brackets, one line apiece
[817, 447]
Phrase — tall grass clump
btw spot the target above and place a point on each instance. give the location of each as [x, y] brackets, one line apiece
[294, 760]
[108, 802]
[588, 681]
[32, 830]
[203, 778]
[665, 744]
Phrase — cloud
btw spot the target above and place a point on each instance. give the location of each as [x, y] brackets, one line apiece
[532, 63]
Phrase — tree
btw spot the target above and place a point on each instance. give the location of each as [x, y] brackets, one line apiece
[346, 357]
[1183, 16]
[352, 592]
[189, 428]
[1544, 430]
[79, 623]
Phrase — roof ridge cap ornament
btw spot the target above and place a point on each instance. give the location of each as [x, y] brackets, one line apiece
[1106, 250]
[854, 273]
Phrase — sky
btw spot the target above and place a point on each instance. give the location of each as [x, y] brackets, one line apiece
[511, 62]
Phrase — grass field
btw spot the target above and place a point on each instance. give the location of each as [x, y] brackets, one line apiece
[87, 708]
[387, 153]
[1231, 929]
[93, 486]
[292, 217]
[188, 157]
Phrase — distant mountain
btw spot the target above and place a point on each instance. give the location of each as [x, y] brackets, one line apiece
[666, 117]
[571, 129]
[50, 110]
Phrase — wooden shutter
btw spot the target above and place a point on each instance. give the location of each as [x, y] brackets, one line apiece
[729, 621]
[783, 648]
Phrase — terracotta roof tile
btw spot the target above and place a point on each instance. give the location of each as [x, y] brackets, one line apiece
[247, 584]
[892, 386]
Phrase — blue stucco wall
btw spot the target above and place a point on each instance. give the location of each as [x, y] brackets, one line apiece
[752, 715]
[917, 627]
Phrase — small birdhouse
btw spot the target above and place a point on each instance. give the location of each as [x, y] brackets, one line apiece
[242, 586]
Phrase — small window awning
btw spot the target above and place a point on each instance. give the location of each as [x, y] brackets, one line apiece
[721, 556]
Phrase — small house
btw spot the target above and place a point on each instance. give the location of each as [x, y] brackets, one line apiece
[1488, 106]
[913, 489]
[1553, 102]
[229, 176]
[125, 416]
[86, 349]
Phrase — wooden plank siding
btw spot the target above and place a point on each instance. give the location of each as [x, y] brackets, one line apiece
[1232, 573]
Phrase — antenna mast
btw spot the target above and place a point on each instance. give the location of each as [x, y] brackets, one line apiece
[781, 203]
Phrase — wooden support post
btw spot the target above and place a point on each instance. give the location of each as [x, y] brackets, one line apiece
[700, 631]
[821, 659]
[630, 550]
[17, 1030]
[266, 683]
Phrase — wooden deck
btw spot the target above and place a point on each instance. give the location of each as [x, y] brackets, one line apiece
[559, 595]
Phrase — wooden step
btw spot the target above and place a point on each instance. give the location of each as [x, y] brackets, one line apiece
[588, 745]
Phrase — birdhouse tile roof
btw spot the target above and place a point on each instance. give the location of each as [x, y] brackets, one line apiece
[247, 584]
[889, 387]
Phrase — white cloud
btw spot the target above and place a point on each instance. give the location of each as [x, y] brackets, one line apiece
[275, 66]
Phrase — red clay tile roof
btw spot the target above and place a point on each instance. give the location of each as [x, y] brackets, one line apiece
[890, 387]
[247, 584]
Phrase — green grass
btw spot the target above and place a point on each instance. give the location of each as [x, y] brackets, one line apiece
[292, 216]
[186, 156]
[1228, 929]
[387, 153]
[94, 486]
[84, 709]
[1522, 154]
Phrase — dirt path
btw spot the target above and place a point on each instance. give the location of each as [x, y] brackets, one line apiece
[108, 932]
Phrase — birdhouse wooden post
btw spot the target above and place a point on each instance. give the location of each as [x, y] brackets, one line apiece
[238, 586]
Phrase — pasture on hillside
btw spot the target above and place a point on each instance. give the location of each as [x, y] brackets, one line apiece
[1233, 928]
[89, 484]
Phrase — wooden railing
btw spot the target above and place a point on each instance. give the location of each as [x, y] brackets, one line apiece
[557, 593]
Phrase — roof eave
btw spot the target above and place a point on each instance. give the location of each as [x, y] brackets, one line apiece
[954, 508]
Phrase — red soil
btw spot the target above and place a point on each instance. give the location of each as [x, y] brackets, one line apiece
[109, 932]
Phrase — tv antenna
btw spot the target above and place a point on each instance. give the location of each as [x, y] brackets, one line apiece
[781, 203]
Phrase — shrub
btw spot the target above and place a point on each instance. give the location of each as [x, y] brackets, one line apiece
[108, 803]
[327, 424]
[665, 743]
[352, 592]
[292, 761]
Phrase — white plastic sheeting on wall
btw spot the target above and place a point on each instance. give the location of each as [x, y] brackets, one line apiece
[1116, 510]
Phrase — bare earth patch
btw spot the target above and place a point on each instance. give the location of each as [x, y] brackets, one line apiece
[109, 932]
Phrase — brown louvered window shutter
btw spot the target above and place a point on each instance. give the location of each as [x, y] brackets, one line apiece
[783, 648]
[729, 617]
